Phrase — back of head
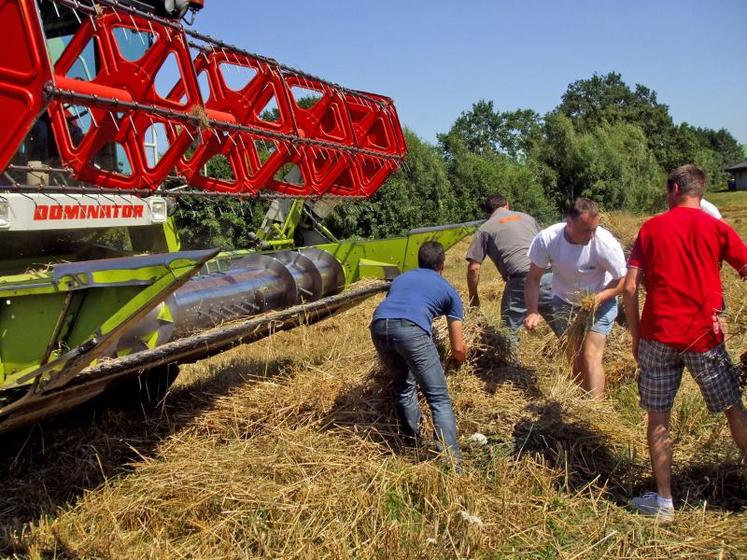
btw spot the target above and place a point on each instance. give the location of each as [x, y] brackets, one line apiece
[690, 179]
[493, 202]
[431, 255]
[582, 206]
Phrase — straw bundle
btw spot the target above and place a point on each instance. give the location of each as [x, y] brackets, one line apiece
[571, 340]
[486, 342]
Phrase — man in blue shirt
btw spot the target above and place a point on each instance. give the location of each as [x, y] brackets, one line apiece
[401, 333]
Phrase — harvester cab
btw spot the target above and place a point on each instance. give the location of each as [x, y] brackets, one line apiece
[111, 111]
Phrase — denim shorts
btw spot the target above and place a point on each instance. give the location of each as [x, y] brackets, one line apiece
[601, 322]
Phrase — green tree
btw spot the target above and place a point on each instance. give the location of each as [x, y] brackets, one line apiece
[620, 170]
[611, 163]
[476, 176]
[483, 130]
[558, 157]
[694, 145]
[608, 99]
[724, 152]
[722, 142]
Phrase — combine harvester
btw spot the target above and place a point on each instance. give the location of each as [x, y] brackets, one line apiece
[95, 291]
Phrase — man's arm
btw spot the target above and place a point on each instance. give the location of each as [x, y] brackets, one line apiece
[613, 260]
[630, 298]
[473, 279]
[531, 296]
[612, 290]
[734, 250]
[456, 339]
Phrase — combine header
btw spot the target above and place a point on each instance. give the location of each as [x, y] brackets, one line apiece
[111, 110]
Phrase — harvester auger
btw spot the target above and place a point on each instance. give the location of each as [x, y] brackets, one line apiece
[110, 110]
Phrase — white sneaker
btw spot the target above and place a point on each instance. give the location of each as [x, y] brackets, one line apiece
[647, 505]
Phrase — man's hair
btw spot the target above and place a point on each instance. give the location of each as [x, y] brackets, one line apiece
[431, 255]
[493, 202]
[582, 206]
[690, 178]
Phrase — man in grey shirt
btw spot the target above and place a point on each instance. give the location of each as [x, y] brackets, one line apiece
[505, 238]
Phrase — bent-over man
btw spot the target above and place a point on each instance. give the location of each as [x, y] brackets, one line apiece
[401, 333]
[505, 239]
[677, 255]
[585, 258]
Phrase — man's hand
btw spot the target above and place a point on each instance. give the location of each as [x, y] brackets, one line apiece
[635, 340]
[531, 296]
[531, 321]
[458, 357]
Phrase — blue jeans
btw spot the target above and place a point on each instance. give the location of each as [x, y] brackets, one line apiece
[513, 308]
[410, 355]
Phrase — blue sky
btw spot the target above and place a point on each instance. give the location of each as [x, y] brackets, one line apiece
[437, 58]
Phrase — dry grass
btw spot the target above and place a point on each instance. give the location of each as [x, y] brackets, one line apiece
[287, 448]
[623, 225]
[736, 314]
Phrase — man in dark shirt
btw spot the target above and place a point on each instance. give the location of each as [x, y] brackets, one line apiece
[505, 238]
[401, 333]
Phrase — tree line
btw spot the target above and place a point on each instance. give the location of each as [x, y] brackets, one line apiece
[605, 140]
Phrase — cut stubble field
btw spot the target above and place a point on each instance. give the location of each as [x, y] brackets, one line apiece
[288, 448]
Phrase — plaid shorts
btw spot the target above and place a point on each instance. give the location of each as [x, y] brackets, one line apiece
[661, 373]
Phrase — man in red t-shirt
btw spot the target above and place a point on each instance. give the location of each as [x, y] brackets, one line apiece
[677, 255]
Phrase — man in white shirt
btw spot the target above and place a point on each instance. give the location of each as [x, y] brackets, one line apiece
[585, 258]
[710, 208]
